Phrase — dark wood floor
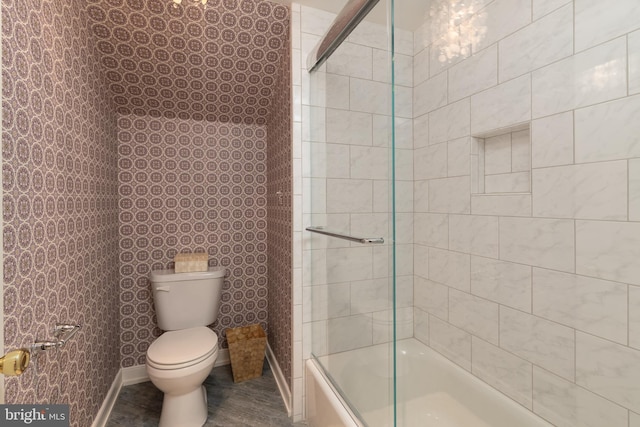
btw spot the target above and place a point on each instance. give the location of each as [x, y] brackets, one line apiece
[252, 403]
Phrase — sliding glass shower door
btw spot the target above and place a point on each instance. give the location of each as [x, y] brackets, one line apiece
[359, 214]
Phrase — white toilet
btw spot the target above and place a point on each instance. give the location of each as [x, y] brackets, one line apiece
[179, 360]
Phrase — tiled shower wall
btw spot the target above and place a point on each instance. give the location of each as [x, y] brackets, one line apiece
[346, 134]
[190, 186]
[536, 292]
[60, 207]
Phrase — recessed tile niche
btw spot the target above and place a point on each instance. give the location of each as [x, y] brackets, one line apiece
[501, 161]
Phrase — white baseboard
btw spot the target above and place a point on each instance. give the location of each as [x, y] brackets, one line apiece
[285, 391]
[223, 358]
[134, 375]
[107, 405]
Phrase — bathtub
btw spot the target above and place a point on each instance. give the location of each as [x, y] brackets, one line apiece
[432, 392]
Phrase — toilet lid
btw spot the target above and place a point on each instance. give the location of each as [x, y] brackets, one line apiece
[183, 346]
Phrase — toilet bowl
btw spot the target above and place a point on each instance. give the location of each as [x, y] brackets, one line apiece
[178, 362]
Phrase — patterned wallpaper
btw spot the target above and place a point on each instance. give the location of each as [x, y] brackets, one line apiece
[279, 220]
[132, 130]
[59, 204]
[188, 185]
[218, 64]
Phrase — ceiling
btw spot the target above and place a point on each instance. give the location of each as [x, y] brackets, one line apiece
[409, 14]
[216, 64]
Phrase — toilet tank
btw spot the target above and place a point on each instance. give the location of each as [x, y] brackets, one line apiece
[186, 300]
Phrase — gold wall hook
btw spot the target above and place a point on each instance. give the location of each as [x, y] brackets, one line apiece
[15, 362]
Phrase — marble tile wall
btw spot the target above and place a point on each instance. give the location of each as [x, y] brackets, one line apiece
[544, 280]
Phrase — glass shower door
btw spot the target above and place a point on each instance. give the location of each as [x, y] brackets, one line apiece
[348, 105]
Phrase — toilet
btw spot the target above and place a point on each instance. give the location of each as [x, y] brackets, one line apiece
[180, 359]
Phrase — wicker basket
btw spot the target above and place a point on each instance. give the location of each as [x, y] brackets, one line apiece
[246, 349]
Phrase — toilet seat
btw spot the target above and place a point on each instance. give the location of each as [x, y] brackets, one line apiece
[183, 348]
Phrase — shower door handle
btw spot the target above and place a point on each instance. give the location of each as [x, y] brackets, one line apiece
[363, 240]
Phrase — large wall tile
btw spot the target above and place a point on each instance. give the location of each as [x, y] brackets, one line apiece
[430, 95]
[503, 282]
[387, 325]
[404, 164]
[368, 296]
[403, 68]
[541, 43]
[518, 182]
[544, 343]
[450, 122]
[504, 105]
[431, 229]
[348, 333]
[327, 160]
[420, 67]
[564, 404]
[634, 190]
[552, 140]
[503, 204]
[497, 154]
[591, 305]
[476, 73]
[431, 297]
[313, 124]
[453, 343]
[474, 234]
[421, 325]
[369, 162]
[458, 157]
[421, 261]
[475, 315]
[538, 242]
[499, 19]
[634, 62]
[589, 191]
[502, 370]
[430, 162]
[369, 96]
[608, 369]
[349, 195]
[326, 301]
[315, 21]
[450, 195]
[597, 22]
[421, 131]
[521, 151]
[608, 250]
[348, 127]
[351, 60]
[596, 75]
[441, 54]
[348, 264]
[421, 196]
[450, 268]
[543, 7]
[634, 316]
[613, 122]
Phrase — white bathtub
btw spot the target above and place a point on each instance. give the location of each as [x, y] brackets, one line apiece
[432, 392]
